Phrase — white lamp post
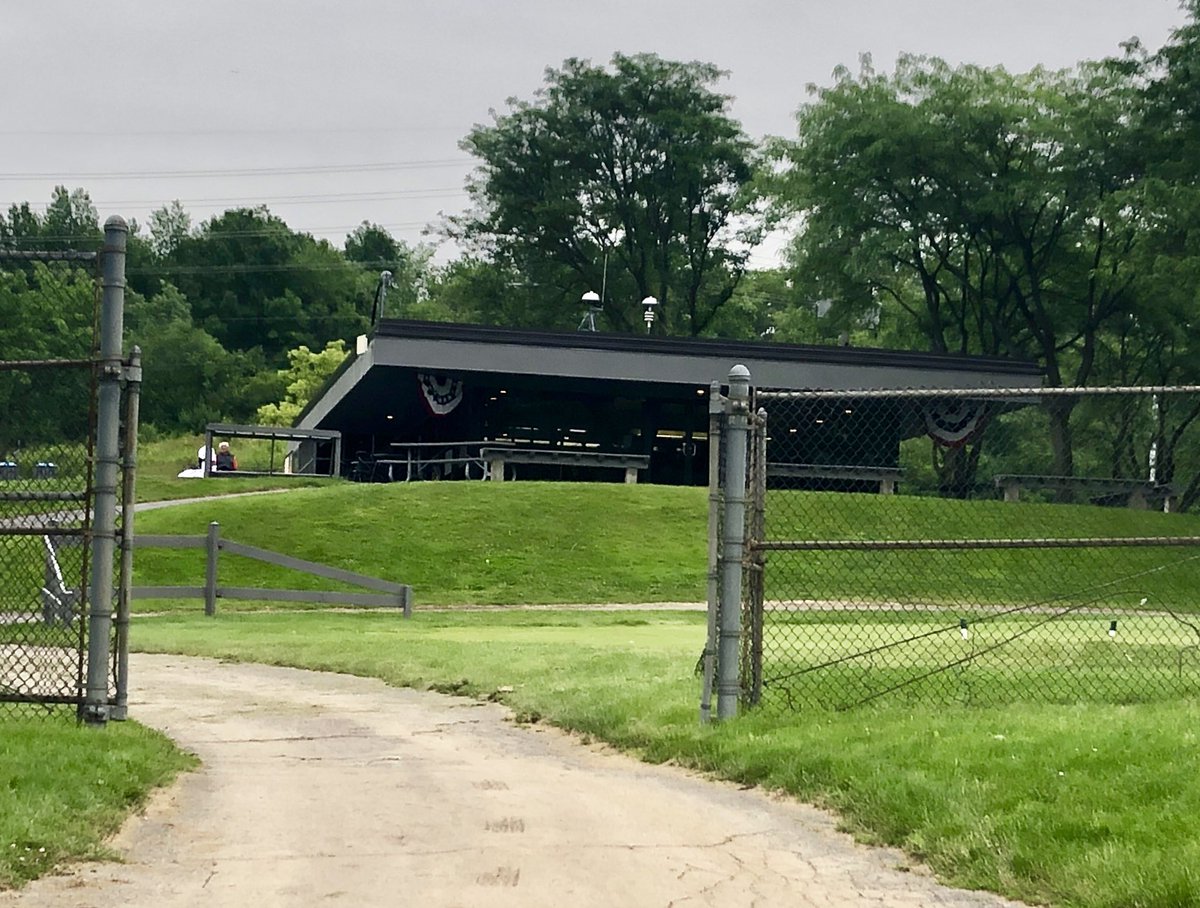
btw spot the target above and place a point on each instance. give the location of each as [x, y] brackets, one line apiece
[649, 303]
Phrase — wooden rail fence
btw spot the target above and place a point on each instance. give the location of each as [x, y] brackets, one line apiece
[387, 595]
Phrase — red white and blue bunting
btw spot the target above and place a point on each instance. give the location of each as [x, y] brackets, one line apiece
[441, 393]
[953, 423]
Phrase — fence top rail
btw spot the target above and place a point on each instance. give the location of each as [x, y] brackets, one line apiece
[972, 393]
[12, 364]
[1054, 542]
[43, 255]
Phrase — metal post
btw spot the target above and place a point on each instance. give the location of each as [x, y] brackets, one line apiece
[107, 453]
[757, 562]
[716, 409]
[212, 548]
[733, 533]
[133, 390]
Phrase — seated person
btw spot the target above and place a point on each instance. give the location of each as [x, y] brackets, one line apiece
[225, 459]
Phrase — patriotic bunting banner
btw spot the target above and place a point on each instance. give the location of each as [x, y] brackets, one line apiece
[440, 392]
[952, 423]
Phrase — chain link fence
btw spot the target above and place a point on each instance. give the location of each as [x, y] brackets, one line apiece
[971, 546]
[50, 313]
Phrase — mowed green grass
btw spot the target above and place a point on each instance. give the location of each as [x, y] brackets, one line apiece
[545, 543]
[1074, 805]
[65, 787]
[843, 658]
[457, 543]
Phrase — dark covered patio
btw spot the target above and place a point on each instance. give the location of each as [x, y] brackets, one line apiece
[420, 400]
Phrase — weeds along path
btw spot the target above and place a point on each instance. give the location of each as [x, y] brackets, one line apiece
[324, 789]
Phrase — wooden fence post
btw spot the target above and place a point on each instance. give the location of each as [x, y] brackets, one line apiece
[212, 548]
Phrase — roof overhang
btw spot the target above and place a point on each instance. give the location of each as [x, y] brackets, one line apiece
[505, 354]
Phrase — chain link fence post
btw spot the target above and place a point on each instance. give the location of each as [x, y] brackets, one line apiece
[733, 534]
[133, 386]
[107, 456]
[708, 660]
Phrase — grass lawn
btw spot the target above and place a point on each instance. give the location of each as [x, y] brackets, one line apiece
[457, 543]
[65, 787]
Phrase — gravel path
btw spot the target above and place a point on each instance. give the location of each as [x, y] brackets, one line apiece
[324, 789]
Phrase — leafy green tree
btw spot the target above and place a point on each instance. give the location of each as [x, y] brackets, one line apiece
[1160, 343]
[46, 312]
[988, 208]
[169, 227]
[188, 378]
[70, 221]
[306, 373]
[254, 283]
[637, 172]
[376, 250]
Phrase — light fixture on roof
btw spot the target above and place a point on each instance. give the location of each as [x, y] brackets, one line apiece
[650, 304]
[594, 306]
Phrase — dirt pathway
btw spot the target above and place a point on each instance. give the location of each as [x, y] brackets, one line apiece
[323, 789]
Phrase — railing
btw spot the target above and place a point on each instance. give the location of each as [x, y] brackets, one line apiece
[389, 595]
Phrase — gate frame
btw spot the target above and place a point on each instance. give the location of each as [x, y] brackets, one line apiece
[757, 546]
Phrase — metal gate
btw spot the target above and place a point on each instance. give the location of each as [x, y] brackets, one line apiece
[67, 459]
[972, 546]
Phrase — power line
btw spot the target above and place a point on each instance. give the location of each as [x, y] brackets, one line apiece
[316, 199]
[234, 131]
[237, 172]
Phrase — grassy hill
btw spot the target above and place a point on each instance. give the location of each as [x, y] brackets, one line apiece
[460, 542]
[485, 543]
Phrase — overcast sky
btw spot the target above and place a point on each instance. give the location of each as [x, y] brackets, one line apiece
[335, 113]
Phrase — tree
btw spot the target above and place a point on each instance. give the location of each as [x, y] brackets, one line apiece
[69, 222]
[990, 209]
[306, 373]
[635, 172]
[46, 312]
[169, 227]
[376, 250]
[189, 378]
[253, 282]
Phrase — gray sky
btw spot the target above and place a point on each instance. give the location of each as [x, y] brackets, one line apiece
[145, 101]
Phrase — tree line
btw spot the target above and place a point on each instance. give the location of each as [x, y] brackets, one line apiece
[1047, 216]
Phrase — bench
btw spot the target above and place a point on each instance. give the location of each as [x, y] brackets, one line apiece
[887, 477]
[414, 460]
[1140, 494]
[498, 457]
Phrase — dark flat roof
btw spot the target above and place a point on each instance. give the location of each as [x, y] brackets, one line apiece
[708, 348]
[482, 354]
